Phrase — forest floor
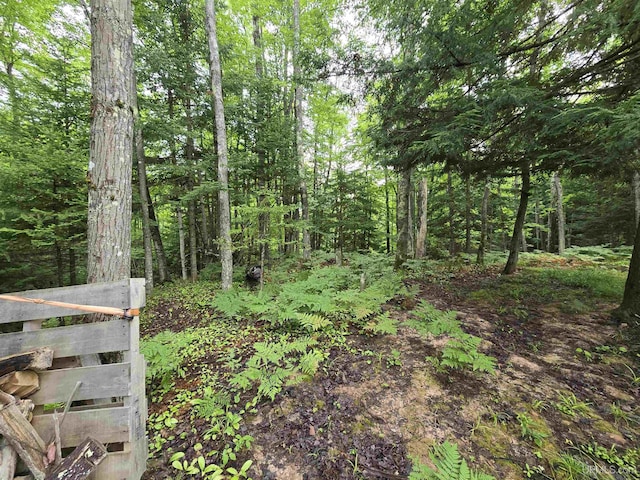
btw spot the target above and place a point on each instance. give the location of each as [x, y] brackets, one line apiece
[560, 403]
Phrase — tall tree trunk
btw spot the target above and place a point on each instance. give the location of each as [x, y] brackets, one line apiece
[636, 195]
[183, 248]
[161, 256]
[423, 203]
[387, 209]
[514, 246]
[537, 220]
[204, 224]
[484, 221]
[411, 241]
[304, 200]
[452, 207]
[560, 219]
[402, 214]
[193, 246]
[467, 214]
[551, 223]
[263, 212]
[226, 253]
[73, 279]
[111, 147]
[142, 186]
[629, 309]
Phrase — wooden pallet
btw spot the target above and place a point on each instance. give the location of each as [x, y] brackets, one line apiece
[113, 406]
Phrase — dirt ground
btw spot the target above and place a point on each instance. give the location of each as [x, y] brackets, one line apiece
[369, 411]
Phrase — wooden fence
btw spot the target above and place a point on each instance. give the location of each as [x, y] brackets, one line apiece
[114, 407]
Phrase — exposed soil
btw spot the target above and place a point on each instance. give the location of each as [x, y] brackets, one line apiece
[365, 415]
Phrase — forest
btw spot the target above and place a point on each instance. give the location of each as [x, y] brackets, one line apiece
[441, 200]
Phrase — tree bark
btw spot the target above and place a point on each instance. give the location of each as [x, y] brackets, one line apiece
[411, 241]
[467, 214]
[226, 253]
[110, 153]
[484, 221]
[263, 212]
[304, 200]
[402, 214]
[514, 246]
[181, 237]
[161, 257]
[629, 309]
[387, 210]
[636, 195]
[559, 212]
[142, 186]
[193, 237]
[423, 204]
[452, 204]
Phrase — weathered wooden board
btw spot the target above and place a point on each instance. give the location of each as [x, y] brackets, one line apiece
[103, 381]
[38, 359]
[117, 466]
[81, 462]
[108, 294]
[112, 336]
[23, 438]
[107, 425]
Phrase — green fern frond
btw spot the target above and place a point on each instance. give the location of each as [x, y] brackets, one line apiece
[310, 362]
[312, 322]
[383, 324]
[449, 465]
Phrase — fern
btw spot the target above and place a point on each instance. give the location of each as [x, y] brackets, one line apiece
[165, 354]
[274, 363]
[312, 322]
[383, 324]
[462, 352]
[310, 362]
[231, 303]
[449, 465]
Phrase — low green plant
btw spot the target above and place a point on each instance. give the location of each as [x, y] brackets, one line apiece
[462, 353]
[449, 465]
[529, 430]
[165, 354]
[393, 359]
[570, 467]
[382, 324]
[434, 321]
[273, 363]
[570, 405]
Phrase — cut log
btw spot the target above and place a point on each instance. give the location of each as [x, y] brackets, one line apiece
[81, 462]
[20, 384]
[39, 359]
[19, 433]
[8, 460]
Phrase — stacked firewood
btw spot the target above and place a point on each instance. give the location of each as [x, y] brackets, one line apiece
[19, 440]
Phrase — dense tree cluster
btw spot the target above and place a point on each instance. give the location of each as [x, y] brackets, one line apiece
[429, 128]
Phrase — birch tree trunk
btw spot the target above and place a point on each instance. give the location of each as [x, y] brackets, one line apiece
[226, 254]
[514, 246]
[304, 200]
[111, 146]
[423, 204]
[559, 212]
